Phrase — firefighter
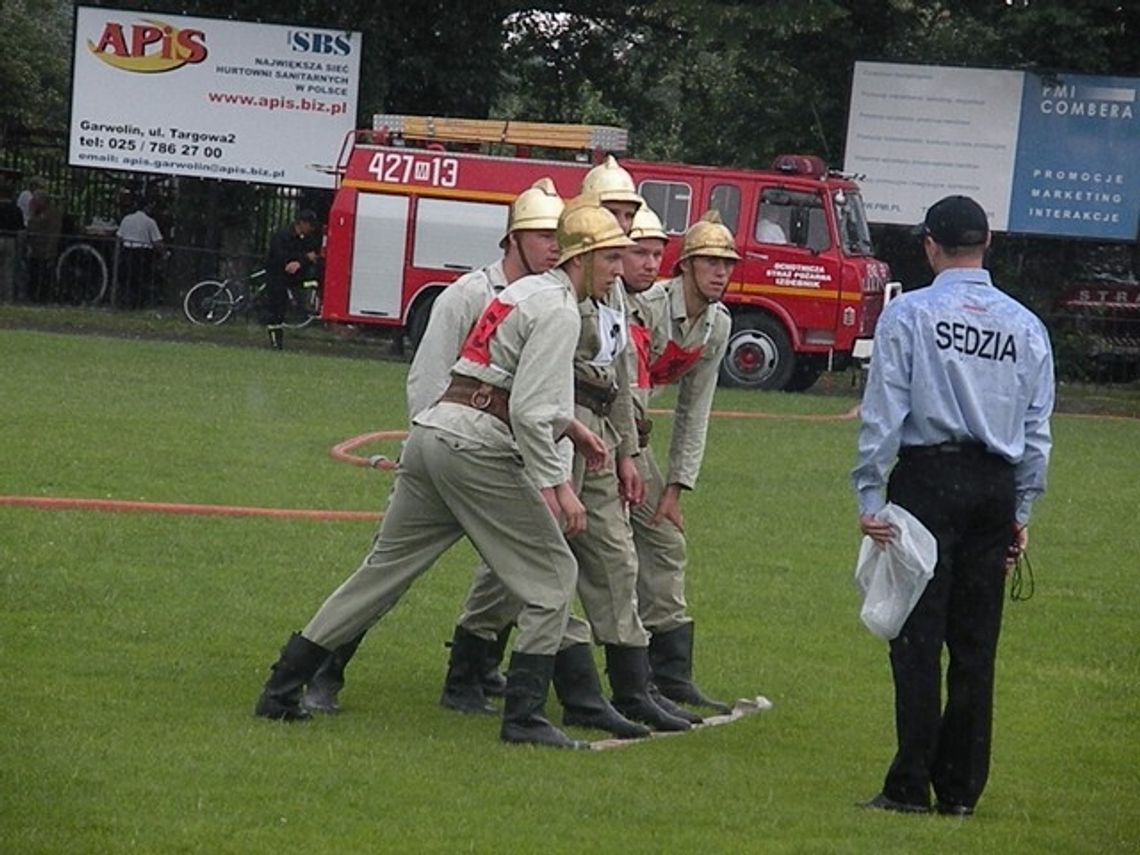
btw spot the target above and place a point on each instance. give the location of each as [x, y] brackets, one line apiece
[529, 246]
[607, 558]
[680, 331]
[493, 433]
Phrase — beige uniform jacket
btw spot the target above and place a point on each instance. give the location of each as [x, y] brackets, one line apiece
[661, 308]
[530, 353]
[454, 312]
[601, 359]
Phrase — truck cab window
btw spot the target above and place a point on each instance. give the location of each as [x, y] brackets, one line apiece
[725, 199]
[790, 217]
[671, 201]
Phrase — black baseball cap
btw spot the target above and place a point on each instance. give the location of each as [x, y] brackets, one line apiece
[955, 221]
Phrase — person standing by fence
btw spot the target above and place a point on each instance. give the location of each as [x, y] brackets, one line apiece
[292, 250]
[141, 241]
[45, 223]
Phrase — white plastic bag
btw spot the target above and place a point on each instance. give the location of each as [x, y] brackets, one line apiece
[893, 578]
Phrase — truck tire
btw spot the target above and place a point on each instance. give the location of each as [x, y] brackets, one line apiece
[417, 324]
[759, 354]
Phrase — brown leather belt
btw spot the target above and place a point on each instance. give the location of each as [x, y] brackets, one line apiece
[597, 399]
[479, 396]
[644, 428]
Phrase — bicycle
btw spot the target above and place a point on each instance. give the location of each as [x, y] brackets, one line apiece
[212, 302]
[81, 275]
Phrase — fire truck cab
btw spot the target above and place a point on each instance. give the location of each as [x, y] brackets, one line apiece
[410, 216]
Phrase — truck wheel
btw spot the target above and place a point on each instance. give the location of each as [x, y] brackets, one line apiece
[759, 354]
[417, 325]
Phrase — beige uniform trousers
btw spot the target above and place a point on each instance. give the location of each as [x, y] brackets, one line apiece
[607, 574]
[448, 486]
[661, 556]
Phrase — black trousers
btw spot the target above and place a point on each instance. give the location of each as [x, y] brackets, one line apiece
[967, 501]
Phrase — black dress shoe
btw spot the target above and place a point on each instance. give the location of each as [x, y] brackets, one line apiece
[882, 802]
[948, 809]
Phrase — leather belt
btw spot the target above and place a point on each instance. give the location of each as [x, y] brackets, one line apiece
[644, 428]
[965, 448]
[597, 399]
[479, 396]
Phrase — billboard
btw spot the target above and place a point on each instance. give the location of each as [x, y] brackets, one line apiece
[1051, 156]
[210, 98]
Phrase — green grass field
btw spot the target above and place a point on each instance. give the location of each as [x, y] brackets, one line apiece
[133, 645]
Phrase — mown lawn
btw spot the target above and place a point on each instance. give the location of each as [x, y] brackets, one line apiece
[133, 645]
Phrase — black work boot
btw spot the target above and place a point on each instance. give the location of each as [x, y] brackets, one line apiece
[671, 655]
[524, 716]
[578, 688]
[321, 693]
[463, 686]
[281, 697]
[494, 682]
[628, 668]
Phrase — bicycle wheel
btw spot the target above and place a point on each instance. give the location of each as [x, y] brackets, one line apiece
[209, 303]
[304, 306]
[81, 275]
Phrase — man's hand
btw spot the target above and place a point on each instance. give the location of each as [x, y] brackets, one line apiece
[630, 485]
[588, 444]
[292, 267]
[565, 507]
[879, 531]
[669, 508]
[1017, 546]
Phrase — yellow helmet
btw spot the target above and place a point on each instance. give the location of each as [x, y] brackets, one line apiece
[710, 237]
[585, 226]
[537, 207]
[611, 183]
[647, 224]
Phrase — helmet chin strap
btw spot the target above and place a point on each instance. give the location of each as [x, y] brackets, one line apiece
[526, 261]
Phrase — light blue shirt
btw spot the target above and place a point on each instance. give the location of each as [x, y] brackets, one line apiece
[958, 361]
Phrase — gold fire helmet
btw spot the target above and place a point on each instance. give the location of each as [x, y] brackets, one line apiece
[585, 226]
[611, 183]
[646, 224]
[709, 236]
[537, 207]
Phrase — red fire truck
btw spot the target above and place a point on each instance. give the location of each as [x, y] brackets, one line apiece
[412, 213]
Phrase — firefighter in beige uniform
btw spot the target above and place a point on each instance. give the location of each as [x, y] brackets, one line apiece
[530, 246]
[606, 556]
[680, 332]
[492, 434]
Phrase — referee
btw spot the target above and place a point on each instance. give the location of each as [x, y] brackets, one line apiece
[960, 390]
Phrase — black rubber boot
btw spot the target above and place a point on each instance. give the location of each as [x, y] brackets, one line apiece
[671, 655]
[321, 693]
[494, 681]
[628, 668]
[281, 697]
[578, 688]
[672, 708]
[276, 338]
[524, 716]
[463, 686]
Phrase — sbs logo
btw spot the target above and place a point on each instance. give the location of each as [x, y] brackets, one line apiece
[148, 47]
[328, 44]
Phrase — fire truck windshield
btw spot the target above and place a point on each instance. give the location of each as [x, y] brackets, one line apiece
[853, 229]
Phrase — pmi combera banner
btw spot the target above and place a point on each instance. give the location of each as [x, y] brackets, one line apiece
[208, 98]
[1055, 155]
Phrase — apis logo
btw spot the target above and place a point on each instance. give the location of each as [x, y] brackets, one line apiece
[149, 47]
[329, 44]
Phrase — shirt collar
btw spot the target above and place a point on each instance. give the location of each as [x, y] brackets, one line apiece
[962, 275]
[496, 276]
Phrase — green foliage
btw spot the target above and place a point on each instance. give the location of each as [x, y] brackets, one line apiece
[35, 61]
[135, 644]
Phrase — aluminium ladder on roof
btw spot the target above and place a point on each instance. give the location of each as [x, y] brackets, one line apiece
[506, 131]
